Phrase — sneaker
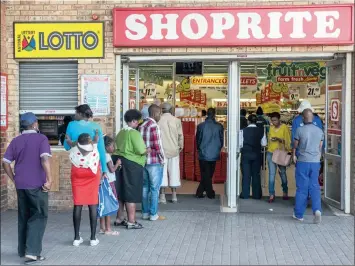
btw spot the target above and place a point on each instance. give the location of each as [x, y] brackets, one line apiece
[157, 217]
[174, 198]
[145, 216]
[77, 243]
[299, 219]
[317, 217]
[134, 225]
[162, 199]
[94, 242]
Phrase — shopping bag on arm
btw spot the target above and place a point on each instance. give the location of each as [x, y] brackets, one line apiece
[108, 203]
[281, 156]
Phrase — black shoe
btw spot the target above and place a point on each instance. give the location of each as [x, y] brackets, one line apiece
[134, 226]
[200, 196]
[212, 196]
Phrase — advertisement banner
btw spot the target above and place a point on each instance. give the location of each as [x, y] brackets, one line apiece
[197, 97]
[36, 40]
[258, 98]
[4, 101]
[285, 76]
[334, 110]
[185, 96]
[221, 26]
[95, 91]
[203, 99]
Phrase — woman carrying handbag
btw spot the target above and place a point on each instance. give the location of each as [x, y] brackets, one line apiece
[278, 155]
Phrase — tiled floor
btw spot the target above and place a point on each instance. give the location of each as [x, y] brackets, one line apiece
[195, 237]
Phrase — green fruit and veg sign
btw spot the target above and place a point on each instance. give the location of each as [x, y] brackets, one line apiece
[309, 75]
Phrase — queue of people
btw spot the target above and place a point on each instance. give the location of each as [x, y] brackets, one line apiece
[306, 145]
[143, 160]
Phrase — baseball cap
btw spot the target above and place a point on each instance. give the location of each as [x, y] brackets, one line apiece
[28, 119]
[166, 106]
[304, 105]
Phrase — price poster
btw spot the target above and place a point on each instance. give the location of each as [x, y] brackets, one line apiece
[150, 90]
[294, 95]
[95, 91]
[4, 101]
[313, 90]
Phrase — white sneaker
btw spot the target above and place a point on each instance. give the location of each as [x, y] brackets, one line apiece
[174, 198]
[299, 219]
[317, 217]
[77, 243]
[157, 217]
[94, 242]
[162, 199]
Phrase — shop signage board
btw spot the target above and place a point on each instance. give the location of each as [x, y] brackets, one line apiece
[36, 40]
[4, 101]
[233, 26]
[95, 91]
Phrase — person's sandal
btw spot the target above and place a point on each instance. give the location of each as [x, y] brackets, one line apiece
[33, 259]
[112, 233]
[134, 226]
[123, 223]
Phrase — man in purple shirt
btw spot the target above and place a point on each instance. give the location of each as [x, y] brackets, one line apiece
[32, 177]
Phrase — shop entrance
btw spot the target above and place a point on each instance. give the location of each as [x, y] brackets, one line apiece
[240, 92]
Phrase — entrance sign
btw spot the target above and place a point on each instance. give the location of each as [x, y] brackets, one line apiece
[259, 26]
[58, 40]
[95, 91]
[4, 101]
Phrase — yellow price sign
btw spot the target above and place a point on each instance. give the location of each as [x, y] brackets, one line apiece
[36, 40]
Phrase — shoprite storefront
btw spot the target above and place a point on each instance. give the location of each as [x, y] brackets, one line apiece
[132, 56]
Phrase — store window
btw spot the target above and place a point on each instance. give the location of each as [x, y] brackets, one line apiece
[50, 90]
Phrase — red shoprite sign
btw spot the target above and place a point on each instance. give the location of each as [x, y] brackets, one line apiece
[260, 26]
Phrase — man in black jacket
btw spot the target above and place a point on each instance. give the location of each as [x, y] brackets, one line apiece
[209, 141]
[253, 139]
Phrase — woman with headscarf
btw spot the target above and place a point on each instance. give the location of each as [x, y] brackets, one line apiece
[85, 183]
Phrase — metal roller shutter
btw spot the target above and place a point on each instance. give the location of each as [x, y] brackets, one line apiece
[48, 87]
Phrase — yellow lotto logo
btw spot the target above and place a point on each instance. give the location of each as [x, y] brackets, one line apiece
[58, 40]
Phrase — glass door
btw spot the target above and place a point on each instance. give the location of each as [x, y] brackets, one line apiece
[232, 184]
[333, 163]
[130, 88]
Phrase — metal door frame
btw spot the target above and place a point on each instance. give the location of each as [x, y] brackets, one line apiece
[338, 158]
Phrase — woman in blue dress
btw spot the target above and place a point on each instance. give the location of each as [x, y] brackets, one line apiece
[85, 184]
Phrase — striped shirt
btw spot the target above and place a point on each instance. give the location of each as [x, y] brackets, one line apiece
[150, 132]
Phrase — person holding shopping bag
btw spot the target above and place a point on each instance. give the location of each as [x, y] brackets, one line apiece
[279, 141]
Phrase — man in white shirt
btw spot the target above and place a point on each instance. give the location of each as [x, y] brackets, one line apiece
[253, 139]
[173, 143]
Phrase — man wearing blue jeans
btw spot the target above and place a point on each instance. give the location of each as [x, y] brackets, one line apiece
[308, 140]
[153, 172]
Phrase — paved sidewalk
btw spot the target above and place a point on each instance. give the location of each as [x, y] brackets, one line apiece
[200, 238]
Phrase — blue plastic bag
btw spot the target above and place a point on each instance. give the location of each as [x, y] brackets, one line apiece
[108, 203]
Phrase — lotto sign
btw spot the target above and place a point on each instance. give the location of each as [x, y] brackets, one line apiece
[59, 40]
[313, 90]
[334, 110]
